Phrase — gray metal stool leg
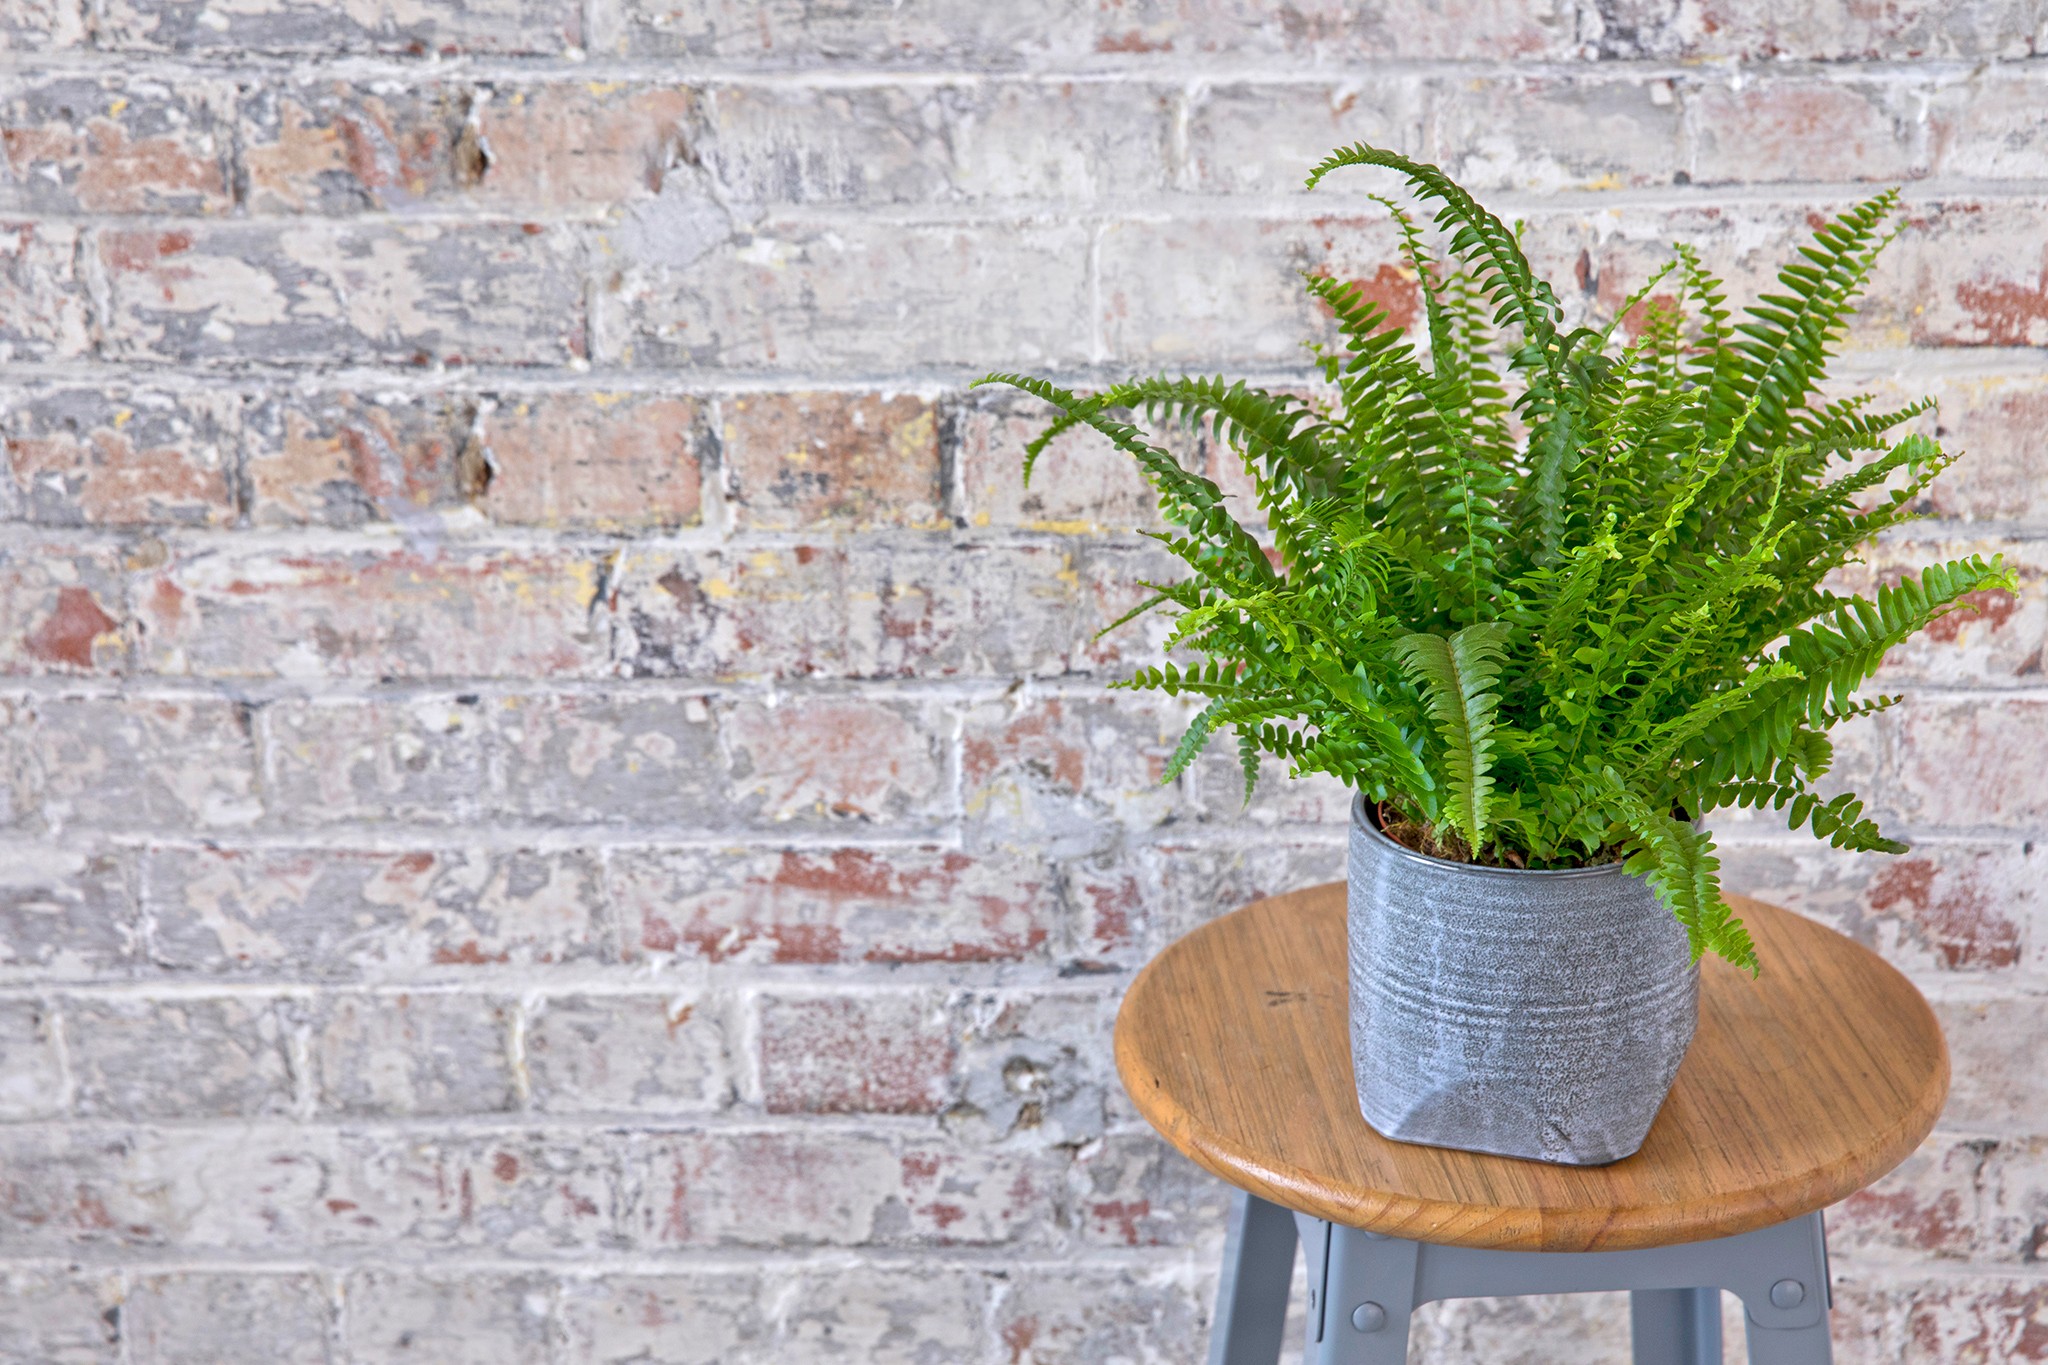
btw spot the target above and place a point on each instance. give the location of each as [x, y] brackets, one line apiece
[1363, 1286]
[1675, 1326]
[1258, 1270]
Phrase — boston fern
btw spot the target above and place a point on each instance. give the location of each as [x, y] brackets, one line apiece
[1547, 597]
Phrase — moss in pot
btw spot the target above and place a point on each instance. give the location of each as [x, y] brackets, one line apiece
[1543, 597]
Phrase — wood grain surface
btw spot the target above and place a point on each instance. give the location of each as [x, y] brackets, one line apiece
[1801, 1087]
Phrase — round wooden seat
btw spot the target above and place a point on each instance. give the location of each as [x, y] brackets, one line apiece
[1802, 1086]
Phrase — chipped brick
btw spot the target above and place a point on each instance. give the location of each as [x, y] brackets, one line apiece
[113, 457]
[77, 144]
[854, 1055]
[138, 1059]
[398, 295]
[819, 759]
[452, 1318]
[812, 460]
[649, 1054]
[378, 611]
[340, 913]
[412, 1054]
[834, 905]
[197, 1318]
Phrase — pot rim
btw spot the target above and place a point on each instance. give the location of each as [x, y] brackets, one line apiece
[1360, 821]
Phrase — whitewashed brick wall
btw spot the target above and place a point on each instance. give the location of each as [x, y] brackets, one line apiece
[560, 803]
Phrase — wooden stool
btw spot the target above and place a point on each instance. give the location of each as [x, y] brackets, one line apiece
[1802, 1087]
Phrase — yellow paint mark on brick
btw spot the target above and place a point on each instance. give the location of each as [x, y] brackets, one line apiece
[604, 87]
[765, 560]
[522, 410]
[1067, 575]
[798, 456]
[121, 418]
[914, 437]
[981, 518]
[605, 400]
[718, 587]
[1609, 181]
[114, 109]
[1061, 528]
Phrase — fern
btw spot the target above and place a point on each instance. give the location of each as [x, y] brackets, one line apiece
[1563, 646]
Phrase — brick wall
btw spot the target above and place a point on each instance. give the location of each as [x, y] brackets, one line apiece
[561, 803]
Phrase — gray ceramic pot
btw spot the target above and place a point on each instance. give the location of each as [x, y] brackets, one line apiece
[1529, 1014]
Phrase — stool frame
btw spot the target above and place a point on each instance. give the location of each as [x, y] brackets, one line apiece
[1363, 1286]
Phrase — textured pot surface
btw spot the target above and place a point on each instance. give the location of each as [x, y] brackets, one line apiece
[1528, 1014]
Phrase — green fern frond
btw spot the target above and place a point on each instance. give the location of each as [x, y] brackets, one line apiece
[1457, 676]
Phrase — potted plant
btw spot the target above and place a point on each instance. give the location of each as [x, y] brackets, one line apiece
[1543, 599]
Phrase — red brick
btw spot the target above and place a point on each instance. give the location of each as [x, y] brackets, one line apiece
[1775, 128]
[1973, 1320]
[1926, 1209]
[344, 459]
[811, 460]
[826, 759]
[588, 144]
[873, 1054]
[1947, 906]
[608, 461]
[394, 294]
[1972, 762]
[63, 609]
[340, 147]
[44, 313]
[108, 145]
[835, 905]
[323, 913]
[335, 147]
[114, 457]
[374, 613]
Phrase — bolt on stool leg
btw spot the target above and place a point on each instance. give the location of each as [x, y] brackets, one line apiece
[1675, 1326]
[1251, 1298]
